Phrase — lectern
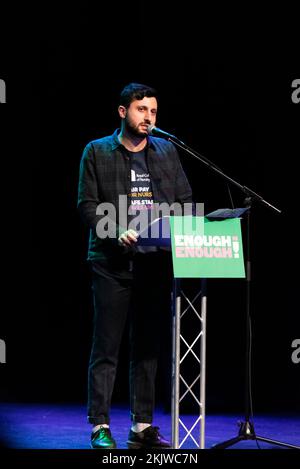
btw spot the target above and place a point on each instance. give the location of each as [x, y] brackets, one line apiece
[202, 247]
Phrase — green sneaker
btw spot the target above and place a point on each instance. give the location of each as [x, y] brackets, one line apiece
[102, 439]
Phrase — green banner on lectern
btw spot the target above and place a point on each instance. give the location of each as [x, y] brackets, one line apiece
[213, 250]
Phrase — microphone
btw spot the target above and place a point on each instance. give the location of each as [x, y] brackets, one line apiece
[152, 130]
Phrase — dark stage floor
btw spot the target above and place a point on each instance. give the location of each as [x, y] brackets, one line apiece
[63, 426]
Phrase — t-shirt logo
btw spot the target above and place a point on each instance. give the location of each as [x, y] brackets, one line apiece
[133, 179]
[141, 193]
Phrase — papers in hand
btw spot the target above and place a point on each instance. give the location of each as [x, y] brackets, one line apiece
[157, 233]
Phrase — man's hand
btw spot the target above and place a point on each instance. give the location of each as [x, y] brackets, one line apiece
[128, 238]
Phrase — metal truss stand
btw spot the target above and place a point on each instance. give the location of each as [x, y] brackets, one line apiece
[195, 349]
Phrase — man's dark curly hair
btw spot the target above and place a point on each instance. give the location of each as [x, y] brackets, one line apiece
[134, 91]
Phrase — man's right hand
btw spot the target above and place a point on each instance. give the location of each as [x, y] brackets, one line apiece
[128, 238]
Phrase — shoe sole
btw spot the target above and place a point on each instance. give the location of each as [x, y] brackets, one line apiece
[105, 447]
[141, 446]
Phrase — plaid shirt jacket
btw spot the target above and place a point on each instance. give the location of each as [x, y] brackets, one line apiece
[105, 175]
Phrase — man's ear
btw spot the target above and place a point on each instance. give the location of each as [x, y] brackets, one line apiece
[122, 111]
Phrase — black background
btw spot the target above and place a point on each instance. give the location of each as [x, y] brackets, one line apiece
[224, 80]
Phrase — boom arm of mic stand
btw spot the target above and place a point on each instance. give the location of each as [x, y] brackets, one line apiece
[249, 192]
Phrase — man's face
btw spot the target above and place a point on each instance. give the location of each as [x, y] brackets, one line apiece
[139, 115]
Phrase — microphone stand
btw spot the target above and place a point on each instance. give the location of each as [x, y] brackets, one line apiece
[246, 431]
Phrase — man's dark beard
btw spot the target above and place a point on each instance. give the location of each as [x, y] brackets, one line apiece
[135, 132]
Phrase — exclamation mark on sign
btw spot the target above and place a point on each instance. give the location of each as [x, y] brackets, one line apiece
[235, 246]
[2, 91]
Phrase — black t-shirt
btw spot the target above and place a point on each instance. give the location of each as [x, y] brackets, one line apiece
[141, 196]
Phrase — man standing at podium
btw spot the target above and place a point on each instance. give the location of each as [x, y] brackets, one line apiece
[128, 281]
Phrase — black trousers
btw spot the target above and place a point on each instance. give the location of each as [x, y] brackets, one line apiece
[142, 296]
